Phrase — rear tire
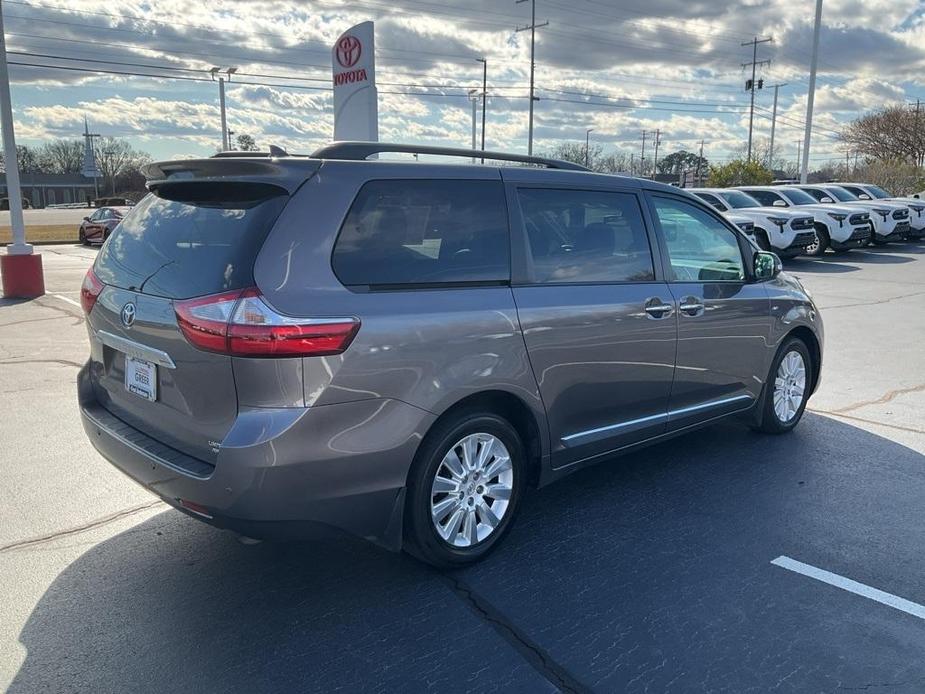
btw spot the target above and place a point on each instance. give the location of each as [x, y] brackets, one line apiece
[786, 390]
[464, 489]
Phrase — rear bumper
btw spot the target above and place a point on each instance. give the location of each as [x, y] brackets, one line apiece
[280, 473]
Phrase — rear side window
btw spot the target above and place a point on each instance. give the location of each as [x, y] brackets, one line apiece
[585, 236]
[202, 241]
[424, 232]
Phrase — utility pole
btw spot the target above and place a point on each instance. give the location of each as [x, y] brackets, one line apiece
[473, 99]
[632, 163]
[811, 96]
[800, 158]
[642, 157]
[699, 163]
[533, 26]
[221, 98]
[915, 134]
[658, 140]
[750, 84]
[847, 165]
[588, 147]
[484, 62]
[773, 125]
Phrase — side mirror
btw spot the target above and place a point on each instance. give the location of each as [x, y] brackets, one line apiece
[864, 196]
[826, 199]
[767, 265]
[86, 219]
[779, 203]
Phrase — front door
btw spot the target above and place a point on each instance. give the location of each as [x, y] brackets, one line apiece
[599, 324]
[723, 319]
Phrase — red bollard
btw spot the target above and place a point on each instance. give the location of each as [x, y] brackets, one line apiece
[22, 276]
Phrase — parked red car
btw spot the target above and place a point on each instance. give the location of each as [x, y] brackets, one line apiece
[98, 226]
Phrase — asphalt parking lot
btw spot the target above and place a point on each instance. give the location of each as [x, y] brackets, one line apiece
[651, 572]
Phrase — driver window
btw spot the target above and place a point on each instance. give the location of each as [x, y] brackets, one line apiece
[700, 247]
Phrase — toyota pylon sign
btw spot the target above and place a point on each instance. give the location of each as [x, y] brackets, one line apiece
[356, 101]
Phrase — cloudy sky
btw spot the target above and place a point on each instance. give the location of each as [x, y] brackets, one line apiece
[620, 67]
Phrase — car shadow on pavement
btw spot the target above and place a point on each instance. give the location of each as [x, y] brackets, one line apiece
[820, 265]
[649, 571]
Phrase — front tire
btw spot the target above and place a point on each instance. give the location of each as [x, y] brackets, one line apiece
[823, 241]
[786, 390]
[82, 237]
[464, 489]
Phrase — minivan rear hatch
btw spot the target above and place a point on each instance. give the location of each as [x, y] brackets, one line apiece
[197, 234]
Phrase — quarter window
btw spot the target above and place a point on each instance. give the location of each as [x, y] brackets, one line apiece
[424, 232]
[585, 236]
[700, 247]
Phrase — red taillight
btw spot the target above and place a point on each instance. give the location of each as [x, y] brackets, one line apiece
[241, 323]
[90, 291]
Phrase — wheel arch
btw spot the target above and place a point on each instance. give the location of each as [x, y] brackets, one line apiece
[808, 337]
[514, 410]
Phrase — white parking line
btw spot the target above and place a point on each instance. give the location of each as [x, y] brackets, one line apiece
[65, 298]
[864, 591]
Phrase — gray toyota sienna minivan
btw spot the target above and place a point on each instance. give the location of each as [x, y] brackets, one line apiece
[400, 350]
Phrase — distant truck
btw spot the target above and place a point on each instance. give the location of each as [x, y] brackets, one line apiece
[5, 204]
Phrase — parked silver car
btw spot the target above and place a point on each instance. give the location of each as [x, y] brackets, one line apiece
[400, 349]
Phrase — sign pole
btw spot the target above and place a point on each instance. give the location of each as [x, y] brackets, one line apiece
[21, 269]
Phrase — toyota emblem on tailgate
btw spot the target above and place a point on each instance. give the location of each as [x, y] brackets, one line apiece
[128, 314]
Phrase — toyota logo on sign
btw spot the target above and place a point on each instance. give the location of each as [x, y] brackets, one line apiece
[348, 51]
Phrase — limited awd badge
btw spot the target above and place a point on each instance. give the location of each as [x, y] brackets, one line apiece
[128, 314]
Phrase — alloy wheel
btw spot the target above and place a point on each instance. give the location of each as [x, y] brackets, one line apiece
[789, 386]
[472, 489]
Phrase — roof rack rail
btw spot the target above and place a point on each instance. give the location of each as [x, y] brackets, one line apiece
[362, 150]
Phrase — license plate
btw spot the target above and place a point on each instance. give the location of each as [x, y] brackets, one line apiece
[141, 378]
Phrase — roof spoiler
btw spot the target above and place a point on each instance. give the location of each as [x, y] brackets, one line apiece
[287, 173]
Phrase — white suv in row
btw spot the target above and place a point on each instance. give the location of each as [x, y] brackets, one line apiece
[787, 233]
[889, 220]
[839, 227]
[868, 191]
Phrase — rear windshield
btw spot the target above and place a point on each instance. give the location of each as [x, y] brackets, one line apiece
[202, 241]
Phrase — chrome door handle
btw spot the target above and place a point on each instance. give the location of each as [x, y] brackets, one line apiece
[691, 306]
[656, 308]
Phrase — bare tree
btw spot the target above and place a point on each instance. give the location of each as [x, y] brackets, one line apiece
[894, 133]
[113, 156]
[26, 158]
[614, 162]
[61, 156]
[899, 178]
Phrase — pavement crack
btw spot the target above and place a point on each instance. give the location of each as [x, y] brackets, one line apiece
[868, 421]
[873, 303]
[883, 399]
[62, 362]
[533, 653]
[58, 534]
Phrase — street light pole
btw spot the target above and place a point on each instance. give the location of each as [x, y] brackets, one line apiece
[473, 100]
[484, 63]
[804, 167]
[773, 125]
[588, 147]
[221, 99]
